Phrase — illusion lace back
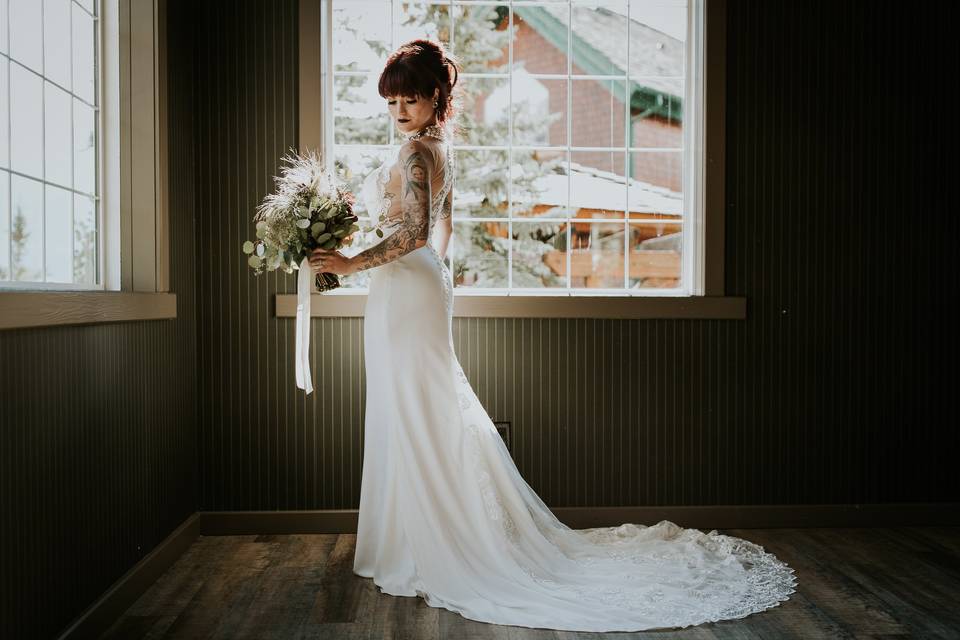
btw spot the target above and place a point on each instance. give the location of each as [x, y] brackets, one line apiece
[446, 515]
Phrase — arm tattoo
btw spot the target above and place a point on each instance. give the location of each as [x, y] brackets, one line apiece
[415, 171]
[447, 207]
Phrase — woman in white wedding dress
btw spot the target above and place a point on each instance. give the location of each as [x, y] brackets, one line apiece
[444, 512]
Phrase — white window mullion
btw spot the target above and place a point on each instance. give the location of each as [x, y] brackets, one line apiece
[73, 196]
[6, 61]
[43, 145]
[569, 142]
[327, 85]
[628, 142]
[510, 146]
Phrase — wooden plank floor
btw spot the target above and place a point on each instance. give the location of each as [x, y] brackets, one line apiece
[853, 583]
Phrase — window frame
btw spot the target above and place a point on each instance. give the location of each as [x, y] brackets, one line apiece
[134, 250]
[707, 298]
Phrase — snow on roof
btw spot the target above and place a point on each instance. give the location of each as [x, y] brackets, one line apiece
[592, 188]
[653, 53]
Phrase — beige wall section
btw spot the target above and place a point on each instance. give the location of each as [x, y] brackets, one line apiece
[309, 77]
[145, 251]
[162, 164]
[144, 124]
[126, 206]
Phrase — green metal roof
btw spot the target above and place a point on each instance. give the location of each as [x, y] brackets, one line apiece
[649, 100]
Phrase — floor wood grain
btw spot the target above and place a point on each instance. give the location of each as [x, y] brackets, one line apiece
[853, 583]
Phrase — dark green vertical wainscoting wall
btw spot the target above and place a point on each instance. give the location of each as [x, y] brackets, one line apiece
[829, 392]
[98, 437]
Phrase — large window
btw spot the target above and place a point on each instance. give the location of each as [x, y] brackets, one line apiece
[574, 142]
[84, 221]
[49, 151]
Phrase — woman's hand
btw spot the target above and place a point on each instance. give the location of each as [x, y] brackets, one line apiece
[330, 261]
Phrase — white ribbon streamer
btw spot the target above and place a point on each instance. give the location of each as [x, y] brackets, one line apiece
[303, 326]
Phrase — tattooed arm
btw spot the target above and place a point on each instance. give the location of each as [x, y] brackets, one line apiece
[444, 228]
[416, 170]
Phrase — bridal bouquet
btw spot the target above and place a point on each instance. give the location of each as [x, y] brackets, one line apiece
[308, 210]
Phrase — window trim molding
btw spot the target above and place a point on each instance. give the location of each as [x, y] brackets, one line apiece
[710, 303]
[27, 309]
[713, 122]
[134, 184]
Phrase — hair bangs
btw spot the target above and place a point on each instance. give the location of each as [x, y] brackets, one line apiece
[404, 79]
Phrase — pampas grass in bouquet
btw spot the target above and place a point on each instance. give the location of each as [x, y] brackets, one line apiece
[309, 210]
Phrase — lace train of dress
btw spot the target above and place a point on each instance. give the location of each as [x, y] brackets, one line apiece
[446, 515]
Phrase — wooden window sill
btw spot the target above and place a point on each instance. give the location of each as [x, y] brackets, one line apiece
[24, 309]
[581, 306]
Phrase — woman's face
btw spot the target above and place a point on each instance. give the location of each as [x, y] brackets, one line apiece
[411, 113]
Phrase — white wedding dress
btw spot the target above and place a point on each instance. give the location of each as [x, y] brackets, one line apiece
[446, 515]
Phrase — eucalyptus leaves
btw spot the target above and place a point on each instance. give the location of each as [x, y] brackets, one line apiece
[308, 210]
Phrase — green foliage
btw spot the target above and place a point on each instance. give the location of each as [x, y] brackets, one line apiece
[309, 209]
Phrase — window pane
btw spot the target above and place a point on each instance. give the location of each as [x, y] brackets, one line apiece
[360, 113]
[600, 37]
[84, 240]
[361, 35]
[352, 166]
[541, 42]
[657, 36]
[607, 163]
[596, 260]
[26, 121]
[479, 254]
[651, 192]
[655, 100]
[26, 31]
[659, 169]
[481, 184]
[4, 224]
[58, 235]
[86, 4]
[540, 184]
[598, 113]
[4, 25]
[84, 148]
[4, 112]
[27, 229]
[597, 191]
[539, 254]
[83, 56]
[57, 135]
[416, 20]
[56, 35]
[655, 251]
[485, 108]
[539, 110]
[480, 46]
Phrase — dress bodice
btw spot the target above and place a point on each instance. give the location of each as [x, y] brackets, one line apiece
[373, 191]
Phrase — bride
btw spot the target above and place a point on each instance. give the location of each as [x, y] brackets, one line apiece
[444, 512]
